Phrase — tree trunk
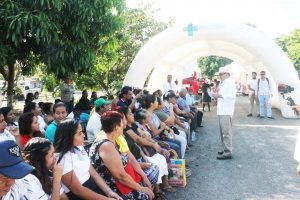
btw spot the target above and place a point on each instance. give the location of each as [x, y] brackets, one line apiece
[10, 84]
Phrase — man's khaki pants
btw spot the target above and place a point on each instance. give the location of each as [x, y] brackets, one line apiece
[225, 124]
[253, 98]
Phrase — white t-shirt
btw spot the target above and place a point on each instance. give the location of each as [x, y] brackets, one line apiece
[228, 91]
[93, 126]
[253, 85]
[70, 116]
[169, 86]
[36, 187]
[42, 123]
[77, 161]
[6, 135]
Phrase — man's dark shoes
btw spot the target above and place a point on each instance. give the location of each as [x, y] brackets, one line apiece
[261, 117]
[220, 152]
[224, 156]
[271, 117]
[249, 115]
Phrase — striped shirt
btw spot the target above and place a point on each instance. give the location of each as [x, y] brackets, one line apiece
[17, 192]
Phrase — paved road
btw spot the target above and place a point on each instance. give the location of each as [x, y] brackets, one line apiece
[262, 166]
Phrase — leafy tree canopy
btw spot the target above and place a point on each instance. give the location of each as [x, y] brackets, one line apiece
[210, 65]
[291, 45]
[119, 50]
[64, 35]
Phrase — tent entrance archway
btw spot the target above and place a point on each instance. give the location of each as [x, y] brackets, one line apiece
[245, 45]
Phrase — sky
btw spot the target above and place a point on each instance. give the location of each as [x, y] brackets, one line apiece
[273, 17]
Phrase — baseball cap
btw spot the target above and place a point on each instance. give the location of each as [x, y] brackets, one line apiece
[224, 70]
[12, 164]
[100, 102]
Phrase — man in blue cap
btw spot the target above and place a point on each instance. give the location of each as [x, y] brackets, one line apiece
[12, 170]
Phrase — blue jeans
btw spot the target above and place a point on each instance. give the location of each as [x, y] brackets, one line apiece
[174, 145]
[264, 100]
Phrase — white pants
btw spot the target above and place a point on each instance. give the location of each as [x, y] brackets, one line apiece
[183, 143]
[185, 132]
[161, 162]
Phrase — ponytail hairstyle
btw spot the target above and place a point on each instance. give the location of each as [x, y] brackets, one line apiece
[140, 115]
[35, 152]
[148, 101]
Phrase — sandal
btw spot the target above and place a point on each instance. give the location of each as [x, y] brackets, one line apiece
[169, 188]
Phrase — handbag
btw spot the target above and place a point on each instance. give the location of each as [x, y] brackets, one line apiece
[135, 176]
[177, 173]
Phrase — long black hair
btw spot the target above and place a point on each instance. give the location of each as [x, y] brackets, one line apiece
[124, 110]
[25, 122]
[35, 152]
[5, 111]
[47, 108]
[140, 115]
[148, 100]
[64, 135]
[29, 98]
[29, 107]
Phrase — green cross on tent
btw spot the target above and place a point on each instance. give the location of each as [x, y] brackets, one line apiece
[190, 29]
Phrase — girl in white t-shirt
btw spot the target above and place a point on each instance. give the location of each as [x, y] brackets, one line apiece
[80, 180]
[4, 134]
[39, 152]
[10, 119]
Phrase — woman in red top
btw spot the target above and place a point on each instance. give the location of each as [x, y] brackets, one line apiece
[28, 127]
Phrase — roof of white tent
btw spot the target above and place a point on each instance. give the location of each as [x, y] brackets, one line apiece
[193, 50]
[241, 43]
[173, 48]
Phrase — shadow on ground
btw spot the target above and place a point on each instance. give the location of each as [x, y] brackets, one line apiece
[262, 166]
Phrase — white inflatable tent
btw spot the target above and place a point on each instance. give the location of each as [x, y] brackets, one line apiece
[169, 50]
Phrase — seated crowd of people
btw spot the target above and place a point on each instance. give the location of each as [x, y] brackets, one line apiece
[119, 149]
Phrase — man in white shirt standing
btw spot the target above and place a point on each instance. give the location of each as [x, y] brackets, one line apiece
[225, 96]
[252, 86]
[264, 92]
[169, 85]
[94, 124]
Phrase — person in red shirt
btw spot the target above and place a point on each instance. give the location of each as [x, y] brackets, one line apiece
[28, 127]
[195, 87]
